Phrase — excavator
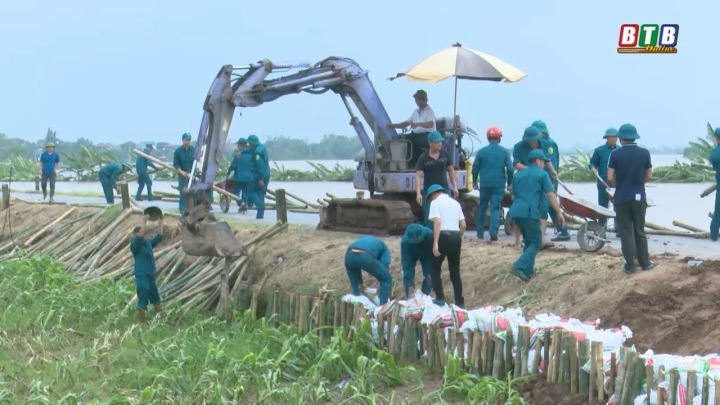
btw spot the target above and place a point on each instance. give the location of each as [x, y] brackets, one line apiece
[382, 166]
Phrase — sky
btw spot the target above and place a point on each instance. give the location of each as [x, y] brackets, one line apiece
[134, 71]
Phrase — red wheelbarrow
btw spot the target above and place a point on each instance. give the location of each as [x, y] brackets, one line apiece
[226, 185]
[592, 235]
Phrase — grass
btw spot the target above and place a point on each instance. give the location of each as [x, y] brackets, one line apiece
[64, 342]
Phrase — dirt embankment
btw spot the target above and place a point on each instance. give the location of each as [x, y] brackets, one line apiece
[671, 309]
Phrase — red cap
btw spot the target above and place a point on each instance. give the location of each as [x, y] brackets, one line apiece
[494, 132]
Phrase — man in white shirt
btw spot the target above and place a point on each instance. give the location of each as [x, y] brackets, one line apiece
[421, 122]
[448, 231]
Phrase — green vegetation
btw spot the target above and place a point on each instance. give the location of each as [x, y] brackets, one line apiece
[320, 172]
[699, 170]
[66, 342]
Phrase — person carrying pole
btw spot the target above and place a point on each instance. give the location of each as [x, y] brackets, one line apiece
[183, 161]
[433, 167]
[598, 165]
[49, 163]
[108, 176]
[260, 175]
[531, 141]
[144, 269]
[494, 166]
[241, 166]
[531, 188]
[715, 160]
[553, 153]
[416, 245]
[373, 256]
[141, 168]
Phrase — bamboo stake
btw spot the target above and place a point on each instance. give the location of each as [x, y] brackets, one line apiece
[33, 238]
[688, 227]
[600, 374]
[583, 376]
[593, 373]
[573, 365]
[432, 347]
[661, 391]
[498, 361]
[442, 354]
[717, 391]
[625, 383]
[490, 355]
[519, 352]
[508, 360]
[484, 352]
[691, 386]
[391, 329]
[381, 331]
[460, 343]
[649, 378]
[538, 355]
[477, 351]
[705, 391]
[613, 374]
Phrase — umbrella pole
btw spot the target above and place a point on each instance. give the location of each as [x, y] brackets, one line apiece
[456, 124]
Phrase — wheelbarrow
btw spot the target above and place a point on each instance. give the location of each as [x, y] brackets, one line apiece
[226, 185]
[592, 235]
[507, 220]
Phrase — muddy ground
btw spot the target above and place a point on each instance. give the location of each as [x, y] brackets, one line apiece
[673, 308]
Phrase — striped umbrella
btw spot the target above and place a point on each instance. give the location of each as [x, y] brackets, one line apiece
[461, 63]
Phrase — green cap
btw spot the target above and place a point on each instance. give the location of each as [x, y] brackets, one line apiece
[49, 145]
[434, 188]
[540, 124]
[611, 132]
[628, 132]
[414, 233]
[129, 167]
[186, 136]
[717, 132]
[538, 154]
[149, 145]
[435, 136]
[420, 94]
[242, 141]
[531, 134]
[253, 140]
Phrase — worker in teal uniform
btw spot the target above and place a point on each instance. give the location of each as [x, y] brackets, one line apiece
[416, 245]
[715, 160]
[553, 153]
[373, 256]
[529, 187]
[494, 166]
[242, 166]
[530, 141]
[260, 175]
[49, 162]
[108, 176]
[599, 165]
[183, 161]
[145, 270]
[141, 165]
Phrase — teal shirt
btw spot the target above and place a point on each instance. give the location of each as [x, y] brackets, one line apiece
[600, 159]
[530, 187]
[183, 159]
[494, 166]
[522, 149]
[261, 165]
[715, 160]
[141, 164]
[553, 153]
[377, 248]
[142, 251]
[410, 253]
[48, 162]
[113, 170]
[242, 166]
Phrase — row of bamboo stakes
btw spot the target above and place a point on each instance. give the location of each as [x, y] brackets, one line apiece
[502, 356]
[96, 246]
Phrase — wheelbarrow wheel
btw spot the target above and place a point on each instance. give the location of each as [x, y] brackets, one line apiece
[224, 203]
[586, 236]
[508, 225]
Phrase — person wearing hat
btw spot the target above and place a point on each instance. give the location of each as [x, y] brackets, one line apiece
[241, 166]
[531, 187]
[629, 168]
[145, 270]
[416, 245]
[494, 166]
[421, 122]
[598, 165]
[531, 140]
[373, 256]
[141, 165]
[49, 162]
[553, 153]
[108, 176]
[260, 175]
[433, 167]
[715, 161]
[448, 231]
[183, 161]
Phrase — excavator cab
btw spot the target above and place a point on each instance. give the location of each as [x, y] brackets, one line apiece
[202, 234]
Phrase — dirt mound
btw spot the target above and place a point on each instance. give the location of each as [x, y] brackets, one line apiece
[542, 393]
[678, 315]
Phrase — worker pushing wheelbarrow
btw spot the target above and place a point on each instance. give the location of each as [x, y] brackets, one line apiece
[232, 187]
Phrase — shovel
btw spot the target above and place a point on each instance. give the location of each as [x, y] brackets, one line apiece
[610, 190]
[564, 186]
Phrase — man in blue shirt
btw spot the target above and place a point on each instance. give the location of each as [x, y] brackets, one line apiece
[599, 163]
[183, 161]
[553, 153]
[372, 255]
[629, 168]
[261, 175]
[715, 160]
[416, 245]
[531, 187]
[145, 270]
[494, 166]
[49, 162]
[141, 165]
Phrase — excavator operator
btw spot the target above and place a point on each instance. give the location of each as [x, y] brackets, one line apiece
[421, 122]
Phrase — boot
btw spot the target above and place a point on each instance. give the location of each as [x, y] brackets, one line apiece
[52, 194]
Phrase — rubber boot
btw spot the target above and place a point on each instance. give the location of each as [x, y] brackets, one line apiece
[52, 195]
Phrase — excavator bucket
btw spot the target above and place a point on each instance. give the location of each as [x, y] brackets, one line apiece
[202, 235]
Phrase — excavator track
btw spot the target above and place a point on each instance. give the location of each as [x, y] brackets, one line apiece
[380, 217]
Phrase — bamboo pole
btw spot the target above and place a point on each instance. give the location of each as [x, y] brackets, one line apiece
[705, 398]
[583, 358]
[708, 191]
[600, 375]
[498, 362]
[661, 391]
[34, 238]
[691, 386]
[688, 227]
[573, 365]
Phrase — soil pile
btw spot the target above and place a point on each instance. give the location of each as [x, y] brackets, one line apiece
[676, 315]
[542, 393]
